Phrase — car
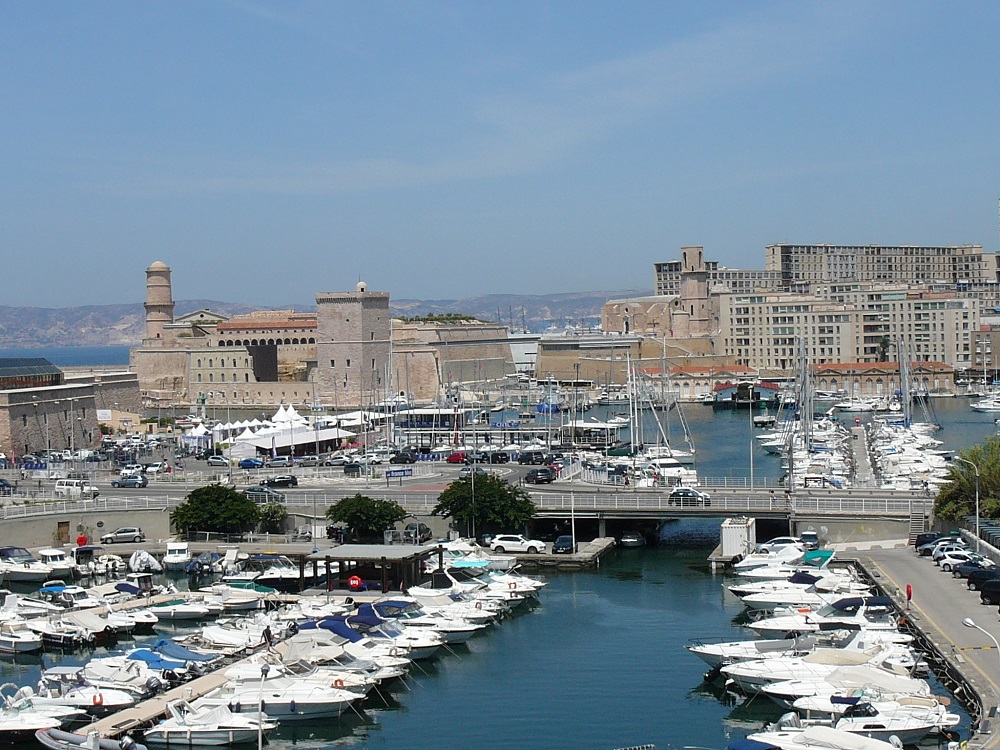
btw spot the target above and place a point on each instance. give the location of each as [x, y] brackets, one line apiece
[353, 469]
[135, 481]
[6, 488]
[810, 539]
[281, 462]
[457, 457]
[478, 457]
[964, 570]
[301, 534]
[563, 545]
[779, 542]
[949, 560]
[989, 591]
[929, 547]
[499, 457]
[338, 460]
[924, 537]
[264, 495]
[943, 549]
[977, 578]
[280, 480]
[544, 475]
[132, 534]
[467, 472]
[403, 457]
[130, 470]
[516, 543]
[307, 461]
[417, 533]
[218, 461]
[688, 496]
[251, 463]
[531, 458]
[160, 467]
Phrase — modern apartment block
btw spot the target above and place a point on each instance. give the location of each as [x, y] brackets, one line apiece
[852, 322]
[719, 278]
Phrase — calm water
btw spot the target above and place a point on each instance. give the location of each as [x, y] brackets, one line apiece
[74, 356]
[599, 662]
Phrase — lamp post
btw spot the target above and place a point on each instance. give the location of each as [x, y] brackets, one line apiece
[264, 669]
[970, 624]
[976, 468]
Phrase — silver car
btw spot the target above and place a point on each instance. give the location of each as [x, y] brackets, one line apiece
[124, 534]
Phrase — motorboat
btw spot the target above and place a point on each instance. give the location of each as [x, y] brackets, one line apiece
[61, 634]
[17, 565]
[281, 698]
[206, 563]
[20, 718]
[411, 613]
[17, 638]
[275, 571]
[130, 677]
[95, 701]
[845, 680]
[783, 556]
[869, 720]
[207, 725]
[812, 597]
[69, 597]
[811, 738]
[184, 609]
[177, 557]
[418, 643]
[143, 562]
[93, 560]
[60, 566]
[821, 580]
[872, 613]
[57, 739]
[632, 539]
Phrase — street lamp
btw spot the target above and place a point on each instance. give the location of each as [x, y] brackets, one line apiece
[264, 669]
[976, 468]
[970, 624]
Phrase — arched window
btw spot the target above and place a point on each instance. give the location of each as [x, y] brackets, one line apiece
[211, 378]
[247, 376]
[199, 377]
[199, 363]
[223, 376]
[211, 363]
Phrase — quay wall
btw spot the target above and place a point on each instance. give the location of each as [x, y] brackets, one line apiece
[56, 530]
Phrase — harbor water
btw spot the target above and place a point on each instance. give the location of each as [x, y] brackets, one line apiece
[599, 662]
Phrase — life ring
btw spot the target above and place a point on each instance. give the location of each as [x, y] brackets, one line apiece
[479, 605]
[511, 585]
[354, 583]
[338, 683]
[98, 699]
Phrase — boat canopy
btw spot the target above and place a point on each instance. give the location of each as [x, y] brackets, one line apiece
[173, 650]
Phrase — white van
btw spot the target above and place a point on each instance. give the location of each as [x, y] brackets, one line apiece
[75, 488]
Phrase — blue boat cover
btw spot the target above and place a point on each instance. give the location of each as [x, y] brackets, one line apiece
[746, 744]
[335, 626]
[174, 650]
[854, 602]
[803, 577]
[849, 700]
[52, 589]
[128, 588]
[153, 660]
[370, 620]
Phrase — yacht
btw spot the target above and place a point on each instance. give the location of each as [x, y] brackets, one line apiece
[177, 557]
[60, 566]
[208, 725]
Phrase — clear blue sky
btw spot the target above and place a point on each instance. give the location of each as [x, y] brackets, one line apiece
[269, 151]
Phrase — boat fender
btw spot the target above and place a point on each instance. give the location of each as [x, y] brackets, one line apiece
[338, 683]
[98, 699]
[236, 710]
[127, 743]
[511, 585]
[714, 672]
[393, 651]
[291, 706]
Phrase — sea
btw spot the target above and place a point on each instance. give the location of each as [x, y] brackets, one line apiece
[73, 356]
[599, 661]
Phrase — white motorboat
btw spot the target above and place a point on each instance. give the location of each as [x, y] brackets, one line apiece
[92, 560]
[57, 739]
[184, 609]
[819, 580]
[143, 562]
[208, 725]
[869, 720]
[20, 718]
[872, 613]
[20, 566]
[797, 598]
[177, 557]
[783, 556]
[280, 698]
[17, 638]
[59, 564]
[844, 681]
[411, 614]
[751, 676]
[90, 699]
[816, 738]
[908, 717]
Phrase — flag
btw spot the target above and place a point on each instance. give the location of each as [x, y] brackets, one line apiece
[274, 451]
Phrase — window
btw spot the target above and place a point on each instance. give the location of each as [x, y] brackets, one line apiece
[348, 363]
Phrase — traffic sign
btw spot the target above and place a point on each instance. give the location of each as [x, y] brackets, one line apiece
[399, 473]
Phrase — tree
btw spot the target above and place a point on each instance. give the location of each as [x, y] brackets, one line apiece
[366, 517]
[216, 508]
[272, 518]
[495, 504]
[957, 498]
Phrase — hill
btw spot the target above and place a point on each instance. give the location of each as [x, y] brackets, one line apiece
[124, 324]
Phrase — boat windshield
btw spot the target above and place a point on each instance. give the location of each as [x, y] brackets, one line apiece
[16, 554]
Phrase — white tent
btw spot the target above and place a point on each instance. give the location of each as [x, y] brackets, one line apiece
[292, 414]
[247, 434]
[281, 415]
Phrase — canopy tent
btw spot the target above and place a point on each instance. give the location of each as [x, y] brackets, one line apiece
[277, 439]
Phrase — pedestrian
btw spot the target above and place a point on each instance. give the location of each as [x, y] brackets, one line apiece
[788, 499]
[771, 500]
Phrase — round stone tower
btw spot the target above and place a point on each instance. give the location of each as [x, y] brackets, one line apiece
[159, 302]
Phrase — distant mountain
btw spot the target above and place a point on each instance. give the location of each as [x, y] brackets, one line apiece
[124, 324]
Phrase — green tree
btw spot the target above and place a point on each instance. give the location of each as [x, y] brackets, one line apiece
[215, 507]
[272, 518]
[957, 498]
[366, 517]
[491, 504]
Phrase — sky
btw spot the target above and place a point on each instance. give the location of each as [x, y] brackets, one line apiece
[267, 151]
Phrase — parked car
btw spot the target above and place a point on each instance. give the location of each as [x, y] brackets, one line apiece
[417, 533]
[929, 547]
[810, 539]
[338, 460]
[160, 467]
[218, 461]
[457, 457]
[129, 470]
[307, 461]
[136, 481]
[989, 591]
[531, 457]
[124, 534]
[301, 534]
[251, 463]
[281, 462]
[688, 496]
[516, 543]
[977, 578]
[563, 545]
[403, 457]
[353, 469]
[964, 570]
[280, 480]
[6, 488]
[949, 560]
[944, 549]
[499, 457]
[924, 537]
[778, 542]
[544, 475]
[467, 471]
[261, 494]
